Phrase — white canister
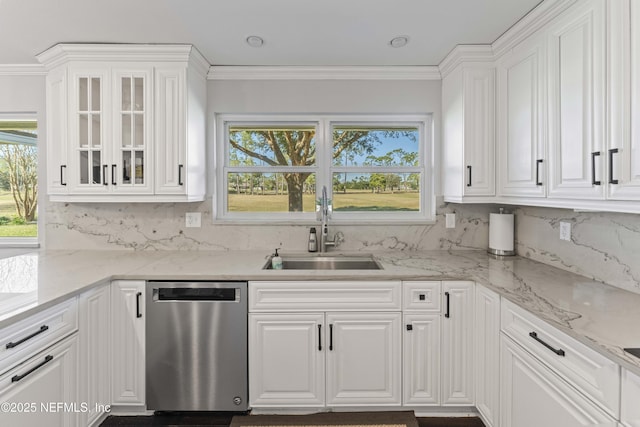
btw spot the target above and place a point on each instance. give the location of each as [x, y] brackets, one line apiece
[501, 234]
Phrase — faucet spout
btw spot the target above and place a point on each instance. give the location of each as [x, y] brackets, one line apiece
[325, 211]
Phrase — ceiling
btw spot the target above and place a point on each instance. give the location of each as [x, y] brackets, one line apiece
[295, 32]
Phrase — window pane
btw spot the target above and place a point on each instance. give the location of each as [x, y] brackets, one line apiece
[271, 192]
[376, 192]
[375, 146]
[19, 153]
[272, 146]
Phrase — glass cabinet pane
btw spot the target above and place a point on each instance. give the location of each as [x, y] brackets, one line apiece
[139, 167]
[95, 168]
[126, 130]
[126, 167]
[139, 130]
[95, 130]
[83, 131]
[126, 93]
[139, 94]
[95, 94]
[84, 167]
[83, 94]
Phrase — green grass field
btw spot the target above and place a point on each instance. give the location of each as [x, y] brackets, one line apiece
[351, 201]
[8, 209]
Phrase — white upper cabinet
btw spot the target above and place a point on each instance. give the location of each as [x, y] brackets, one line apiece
[468, 105]
[520, 120]
[623, 155]
[576, 64]
[125, 123]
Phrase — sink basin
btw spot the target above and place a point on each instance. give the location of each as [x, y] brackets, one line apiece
[320, 262]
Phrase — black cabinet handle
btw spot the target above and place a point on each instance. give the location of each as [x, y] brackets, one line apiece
[319, 337]
[611, 153]
[330, 337]
[593, 168]
[104, 175]
[113, 175]
[538, 162]
[17, 378]
[409, 327]
[447, 299]
[469, 181]
[180, 167]
[534, 335]
[27, 338]
[138, 314]
[62, 168]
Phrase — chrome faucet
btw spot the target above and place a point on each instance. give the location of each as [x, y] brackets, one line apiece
[325, 211]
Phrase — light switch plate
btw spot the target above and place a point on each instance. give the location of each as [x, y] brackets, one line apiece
[565, 231]
[193, 219]
[450, 220]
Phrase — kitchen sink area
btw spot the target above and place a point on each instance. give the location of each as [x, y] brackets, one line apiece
[326, 262]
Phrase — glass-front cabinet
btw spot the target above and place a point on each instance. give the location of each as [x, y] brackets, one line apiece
[127, 123]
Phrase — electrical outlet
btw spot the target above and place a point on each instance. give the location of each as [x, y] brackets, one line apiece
[450, 220]
[193, 219]
[565, 231]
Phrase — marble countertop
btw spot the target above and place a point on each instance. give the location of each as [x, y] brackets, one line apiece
[603, 317]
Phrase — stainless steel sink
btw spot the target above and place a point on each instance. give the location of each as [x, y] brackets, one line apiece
[328, 262]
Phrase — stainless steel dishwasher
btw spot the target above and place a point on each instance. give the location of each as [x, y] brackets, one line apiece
[196, 346]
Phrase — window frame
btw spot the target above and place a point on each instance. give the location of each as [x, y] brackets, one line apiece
[324, 167]
[25, 242]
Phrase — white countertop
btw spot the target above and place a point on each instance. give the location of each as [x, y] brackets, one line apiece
[603, 317]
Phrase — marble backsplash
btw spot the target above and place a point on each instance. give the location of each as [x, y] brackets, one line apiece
[161, 226]
[604, 246]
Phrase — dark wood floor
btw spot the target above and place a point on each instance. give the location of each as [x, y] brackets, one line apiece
[224, 419]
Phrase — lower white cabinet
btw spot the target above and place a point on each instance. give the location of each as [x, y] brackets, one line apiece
[127, 343]
[630, 410]
[533, 396]
[421, 359]
[487, 355]
[95, 372]
[457, 343]
[318, 359]
[43, 391]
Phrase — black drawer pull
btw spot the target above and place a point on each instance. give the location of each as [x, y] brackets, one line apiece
[611, 153]
[62, 168]
[113, 175]
[138, 314]
[469, 182]
[448, 298]
[538, 163]
[27, 338]
[319, 337]
[104, 175]
[180, 167]
[534, 335]
[409, 327]
[330, 337]
[17, 378]
[593, 168]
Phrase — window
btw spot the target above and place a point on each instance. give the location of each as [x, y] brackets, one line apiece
[18, 180]
[374, 168]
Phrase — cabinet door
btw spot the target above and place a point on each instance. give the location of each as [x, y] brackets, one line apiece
[286, 359]
[457, 344]
[95, 374]
[487, 355]
[130, 169]
[629, 410]
[88, 132]
[576, 59]
[623, 156]
[363, 361]
[479, 131]
[533, 396]
[421, 359]
[127, 343]
[520, 117]
[57, 128]
[43, 383]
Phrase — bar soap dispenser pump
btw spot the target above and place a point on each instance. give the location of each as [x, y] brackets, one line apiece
[313, 240]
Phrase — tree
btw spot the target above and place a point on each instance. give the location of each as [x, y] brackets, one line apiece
[289, 147]
[22, 174]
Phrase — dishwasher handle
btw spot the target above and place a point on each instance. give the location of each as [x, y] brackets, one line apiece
[197, 294]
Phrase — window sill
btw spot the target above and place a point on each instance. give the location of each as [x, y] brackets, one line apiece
[19, 242]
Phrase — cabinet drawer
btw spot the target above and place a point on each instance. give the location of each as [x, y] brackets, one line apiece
[31, 335]
[590, 372]
[324, 296]
[421, 296]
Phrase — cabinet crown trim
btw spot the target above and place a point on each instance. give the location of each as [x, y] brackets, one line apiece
[324, 73]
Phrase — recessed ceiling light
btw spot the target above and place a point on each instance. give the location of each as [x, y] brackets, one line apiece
[255, 41]
[399, 41]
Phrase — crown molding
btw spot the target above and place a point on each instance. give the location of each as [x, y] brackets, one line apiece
[22, 70]
[324, 73]
[460, 54]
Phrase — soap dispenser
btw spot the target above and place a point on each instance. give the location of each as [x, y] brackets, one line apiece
[276, 261]
[313, 240]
